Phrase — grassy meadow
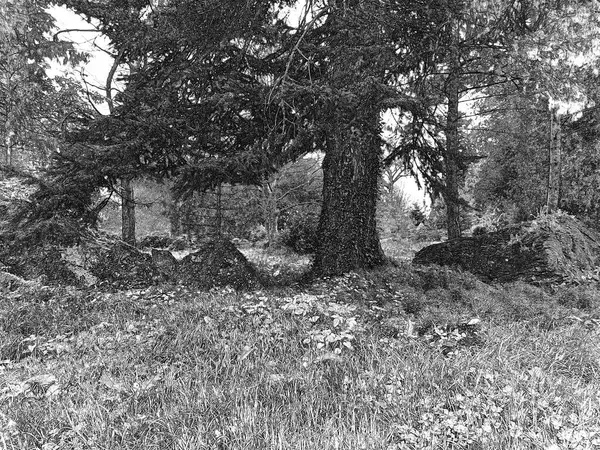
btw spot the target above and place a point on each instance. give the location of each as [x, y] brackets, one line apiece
[397, 358]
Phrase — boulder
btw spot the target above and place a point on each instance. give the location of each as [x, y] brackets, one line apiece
[217, 264]
[100, 259]
[552, 248]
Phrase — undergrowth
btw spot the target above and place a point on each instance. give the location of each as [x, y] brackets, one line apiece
[397, 358]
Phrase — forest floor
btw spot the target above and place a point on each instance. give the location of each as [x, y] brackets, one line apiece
[397, 358]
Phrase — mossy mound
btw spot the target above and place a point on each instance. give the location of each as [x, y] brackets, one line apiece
[217, 264]
[165, 262]
[552, 248]
[43, 263]
[123, 267]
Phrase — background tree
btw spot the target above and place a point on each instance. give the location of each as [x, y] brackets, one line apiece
[293, 190]
[580, 187]
[488, 49]
[521, 131]
[513, 177]
[37, 111]
[33, 106]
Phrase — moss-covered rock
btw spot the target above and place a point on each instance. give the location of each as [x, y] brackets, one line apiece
[552, 248]
[216, 264]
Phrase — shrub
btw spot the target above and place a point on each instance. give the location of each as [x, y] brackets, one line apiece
[479, 230]
[300, 233]
[417, 215]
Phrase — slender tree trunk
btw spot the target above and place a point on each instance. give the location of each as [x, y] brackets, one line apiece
[347, 232]
[127, 200]
[271, 227]
[127, 212]
[271, 216]
[269, 208]
[219, 212]
[554, 162]
[451, 194]
[8, 147]
[175, 218]
[7, 112]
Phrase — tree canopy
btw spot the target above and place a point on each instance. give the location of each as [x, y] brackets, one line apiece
[32, 105]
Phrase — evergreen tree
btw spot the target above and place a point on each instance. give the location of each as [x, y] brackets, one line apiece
[227, 92]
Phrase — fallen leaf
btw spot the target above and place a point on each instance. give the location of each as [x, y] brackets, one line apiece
[111, 383]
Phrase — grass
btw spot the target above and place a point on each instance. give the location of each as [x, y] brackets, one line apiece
[402, 249]
[398, 358]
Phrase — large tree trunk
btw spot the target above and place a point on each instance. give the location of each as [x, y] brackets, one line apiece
[347, 233]
[271, 225]
[127, 212]
[451, 194]
[7, 154]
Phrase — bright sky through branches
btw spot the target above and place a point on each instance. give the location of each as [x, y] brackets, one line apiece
[94, 72]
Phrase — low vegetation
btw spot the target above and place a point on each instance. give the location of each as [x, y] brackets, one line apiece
[399, 358]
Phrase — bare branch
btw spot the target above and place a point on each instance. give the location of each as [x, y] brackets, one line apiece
[109, 80]
[70, 30]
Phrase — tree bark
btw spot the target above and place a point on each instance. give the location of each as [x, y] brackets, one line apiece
[271, 224]
[7, 112]
[127, 200]
[347, 232]
[175, 218]
[270, 211]
[127, 212]
[451, 194]
[271, 227]
[219, 211]
[8, 147]
[554, 162]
